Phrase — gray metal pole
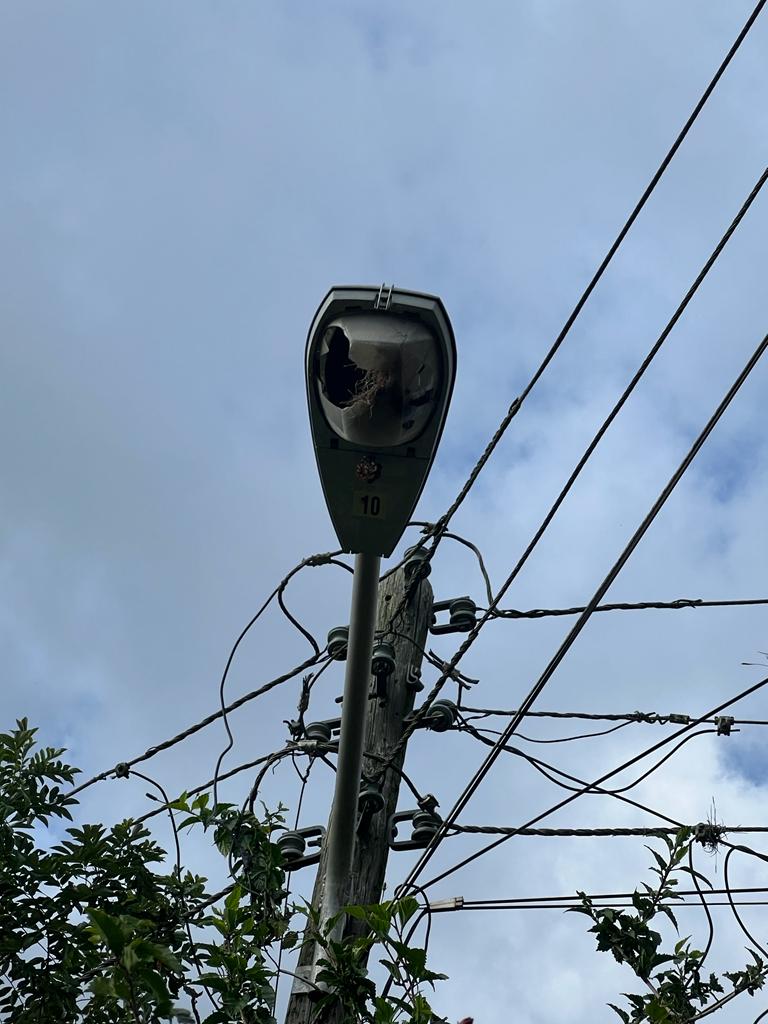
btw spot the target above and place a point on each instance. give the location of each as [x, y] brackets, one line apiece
[341, 835]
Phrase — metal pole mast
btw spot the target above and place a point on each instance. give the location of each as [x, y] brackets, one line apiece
[384, 727]
[341, 835]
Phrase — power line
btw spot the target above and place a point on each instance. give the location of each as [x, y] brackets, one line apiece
[327, 558]
[624, 606]
[617, 905]
[565, 646]
[739, 921]
[594, 786]
[196, 727]
[517, 404]
[542, 765]
[639, 717]
[324, 558]
[456, 903]
[576, 833]
[474, 633]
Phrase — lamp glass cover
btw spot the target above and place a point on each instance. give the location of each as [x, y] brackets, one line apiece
[378, 376]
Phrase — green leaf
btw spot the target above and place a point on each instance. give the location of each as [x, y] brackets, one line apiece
[406, 908]
[668, 911]
[108, 930]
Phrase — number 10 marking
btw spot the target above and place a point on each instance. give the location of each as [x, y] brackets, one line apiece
[371, 504]
[367, 505]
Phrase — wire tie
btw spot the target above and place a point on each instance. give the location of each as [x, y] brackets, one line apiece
[321, 559]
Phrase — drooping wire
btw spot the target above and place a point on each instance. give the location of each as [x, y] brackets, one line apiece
[602, 589]
[561, 739]
[549, 771]
[429, 529]
[326, 558]
[736, 914]
[181, 902]
[537, 763]
[196, 727]
[247, 766]
[695, 876]
[304, 777]
[599, 782]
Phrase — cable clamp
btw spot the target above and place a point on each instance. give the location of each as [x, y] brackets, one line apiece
[454, 903]
[724, 724]
[649, 717]
[321, 559]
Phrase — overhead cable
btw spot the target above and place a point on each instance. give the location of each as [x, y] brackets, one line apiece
[517, 404]
[197, 726]
[599, 782]
[507, 903]
[586, 833]
[625, 606]
[589, 609]
[599, 594]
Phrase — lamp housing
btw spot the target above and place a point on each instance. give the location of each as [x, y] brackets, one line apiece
[380, 368]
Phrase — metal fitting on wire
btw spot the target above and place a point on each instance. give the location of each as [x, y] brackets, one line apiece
[371, 798]
[369, 802]
[462, 616]
[424, 825]
[724, 724]
[338, 641]
[383, 660]
[293, 846]
[320, 732]
[382, 666]
[416, 561]
[441, 716]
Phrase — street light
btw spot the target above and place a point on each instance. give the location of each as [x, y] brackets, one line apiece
[380, 372]
[380, 367]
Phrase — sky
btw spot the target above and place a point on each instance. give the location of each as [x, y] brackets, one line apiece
[180, 185]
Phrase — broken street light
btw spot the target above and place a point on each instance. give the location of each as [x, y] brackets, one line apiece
[380, 371]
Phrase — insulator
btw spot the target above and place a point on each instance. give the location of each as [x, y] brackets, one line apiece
[441, 716]
[292, 845]
[415, 558]
[371, 798]
[338, 640]
[425, 825]
[319, 731]
[383, 660]
[463, 612]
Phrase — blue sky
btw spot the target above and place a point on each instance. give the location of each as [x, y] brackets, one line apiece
[180, 185]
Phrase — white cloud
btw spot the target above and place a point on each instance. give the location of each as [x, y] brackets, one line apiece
[179, 188]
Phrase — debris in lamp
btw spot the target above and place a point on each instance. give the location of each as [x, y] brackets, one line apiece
[378, 378]
[372, 384]
[368, 470]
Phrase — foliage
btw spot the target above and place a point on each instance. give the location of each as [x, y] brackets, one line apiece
[343, 967]
[93, 931]
[678, 990]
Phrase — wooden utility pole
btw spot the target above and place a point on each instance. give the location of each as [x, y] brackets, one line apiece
[384, 728]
